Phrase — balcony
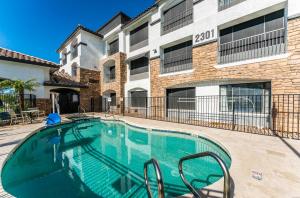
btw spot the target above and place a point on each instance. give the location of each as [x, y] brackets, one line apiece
[176, 64]
[178, 21]
[113, 47]
[257, 46]
[109, 78]
[112, 51]
[74, 53]
[64, 61]
[109, 74]
[224, 4]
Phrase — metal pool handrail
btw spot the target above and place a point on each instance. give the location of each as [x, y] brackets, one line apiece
[226, 192]
[159, 179]
[80, 107]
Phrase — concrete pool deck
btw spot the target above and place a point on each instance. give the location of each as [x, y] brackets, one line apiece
[262, 166]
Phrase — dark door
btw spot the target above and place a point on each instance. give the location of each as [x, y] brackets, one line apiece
[68, 103]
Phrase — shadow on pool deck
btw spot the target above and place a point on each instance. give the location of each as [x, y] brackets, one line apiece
[11, 143]
[290, 146]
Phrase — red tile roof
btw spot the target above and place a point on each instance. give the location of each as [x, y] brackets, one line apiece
[63, 79]
[9, 55]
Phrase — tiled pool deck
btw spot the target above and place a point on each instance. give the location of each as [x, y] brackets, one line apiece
[262, 166]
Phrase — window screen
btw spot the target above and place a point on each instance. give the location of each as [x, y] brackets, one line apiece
[138, 98]
[114, 47]
[182, 98]
[139, 34]
[267, 23]
[178, 55]
[178, 16]
[139, 66]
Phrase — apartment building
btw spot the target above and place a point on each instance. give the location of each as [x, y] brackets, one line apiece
[186, 50]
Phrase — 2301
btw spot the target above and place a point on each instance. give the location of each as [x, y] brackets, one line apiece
[205, 35]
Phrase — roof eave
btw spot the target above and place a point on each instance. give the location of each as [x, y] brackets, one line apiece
[28, 62]
[109, 21]
[139, 17]
[47, 84]
[78, 28]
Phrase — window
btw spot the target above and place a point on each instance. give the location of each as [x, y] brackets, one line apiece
[64, 57]
[224, 4]
[113, 47]
[74, 70]
[138, 99]
[245, 98]
[177, 16]
[113, 97]
[260, 37]
[181, 98]
[139, 66]
[139, 37]
[177, 58]
[110, 73]
[74, 49]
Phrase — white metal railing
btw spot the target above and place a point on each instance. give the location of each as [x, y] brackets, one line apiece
[257, 46]
[178, 21]
[224, 4]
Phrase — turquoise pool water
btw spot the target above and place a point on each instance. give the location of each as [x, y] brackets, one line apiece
[94, 158]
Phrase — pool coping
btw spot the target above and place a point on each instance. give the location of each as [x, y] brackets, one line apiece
[130, 124]
[276, 159]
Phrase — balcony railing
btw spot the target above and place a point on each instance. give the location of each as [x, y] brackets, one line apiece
[258, 46]
[178, 21]
[112, 51]
[176, 64]
[224, 4]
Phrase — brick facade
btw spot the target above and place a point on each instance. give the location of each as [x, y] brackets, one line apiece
[283, 73]
[121, 74]
[117, 85]
[92, 94]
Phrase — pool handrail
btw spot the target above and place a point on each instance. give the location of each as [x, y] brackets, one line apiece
[226, 191]
[80, 107]
[159, 179]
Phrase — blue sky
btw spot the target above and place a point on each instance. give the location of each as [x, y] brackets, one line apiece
[38, 27]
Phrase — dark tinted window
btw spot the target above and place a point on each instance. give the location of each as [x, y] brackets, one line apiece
[260, 25]
[138, 98]
[114, 47]
[182, 98]
[139, 66]
[139, 34]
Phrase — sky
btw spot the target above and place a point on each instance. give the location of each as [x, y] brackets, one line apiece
[38, 27]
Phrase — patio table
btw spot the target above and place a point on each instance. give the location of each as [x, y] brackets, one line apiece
[30, 114]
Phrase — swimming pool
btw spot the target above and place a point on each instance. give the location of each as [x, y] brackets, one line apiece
[96, 158]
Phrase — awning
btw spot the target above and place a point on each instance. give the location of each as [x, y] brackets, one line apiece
[137, 57]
